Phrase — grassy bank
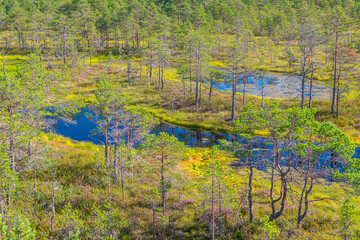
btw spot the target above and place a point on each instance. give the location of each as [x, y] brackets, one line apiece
[84, 193]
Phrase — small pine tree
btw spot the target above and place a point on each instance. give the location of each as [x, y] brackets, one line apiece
[270, 229]
[347, 212]
[16, 226]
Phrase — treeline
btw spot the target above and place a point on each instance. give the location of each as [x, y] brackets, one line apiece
[91, 24]
[318, 40]
[134, 21]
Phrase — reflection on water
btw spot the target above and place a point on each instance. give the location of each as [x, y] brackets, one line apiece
[81, 131]
[275, 86]
[192, 138]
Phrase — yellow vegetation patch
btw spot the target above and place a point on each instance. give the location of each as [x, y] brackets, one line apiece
[188, 164]
[217, 64]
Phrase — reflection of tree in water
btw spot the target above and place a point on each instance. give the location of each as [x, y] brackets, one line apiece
[262, 146]
[274, 85]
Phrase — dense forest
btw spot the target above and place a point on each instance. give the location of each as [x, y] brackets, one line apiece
[187, 119]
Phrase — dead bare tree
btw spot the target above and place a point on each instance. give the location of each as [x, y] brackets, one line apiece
[310, 38]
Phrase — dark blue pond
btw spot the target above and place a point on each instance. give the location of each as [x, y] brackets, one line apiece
[82, 131]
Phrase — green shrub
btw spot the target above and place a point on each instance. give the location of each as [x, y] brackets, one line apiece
[16, 226]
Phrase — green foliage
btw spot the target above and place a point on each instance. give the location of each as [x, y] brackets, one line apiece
[270, 229]
[249, 121]
[71, 218]
[74, 236]
[211, 167]
[347, 212]
[16, 226]
[9, 178]
[165, 143]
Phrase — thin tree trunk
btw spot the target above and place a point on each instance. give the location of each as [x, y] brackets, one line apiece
[140, 71]
[90, 57]
[129, 71]
[53, 202]
[4, 71]
[163, 187]
[153, 219]
[190, 76]
[12, 166]
[159, 73]
[106, 143]
[262, 92]
[220, 209]
[250, 198]
[151, 65]
[200, 94]
[335, 72]
[283, 197]
[211, 89]
[197, 88]
[234, 84]
[303, 91]
[212, 206]
[162, 77]
[311, 83]
[184, 85]
[244, 82]
[64, 45]
[338, 95]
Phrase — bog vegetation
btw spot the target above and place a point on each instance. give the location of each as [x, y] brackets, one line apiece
[136, 63]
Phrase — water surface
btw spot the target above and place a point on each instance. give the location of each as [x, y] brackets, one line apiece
[276, 85]
[82, 131]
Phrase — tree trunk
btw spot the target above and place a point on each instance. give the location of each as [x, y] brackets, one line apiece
[311, 85]
[335, 71]
[304, 198]
[184, 85]
[338, 95]
[4, 71]
[303, 91]
[64, 44]
[234, 84]
[220, 214]
[262, 91]
[282, 197]
[312, 70]
[190, 76]
[129, 71]
[162, 77]
[162, 180]
[200, 85]
[90, 57]
[151, 65]
[211, 89]
[159, 82]
[53, 202]
[212, 207]
[140, 71]
[250, 198]
[12, 166]
[106, 143]
[197, 88]
[244, 82]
